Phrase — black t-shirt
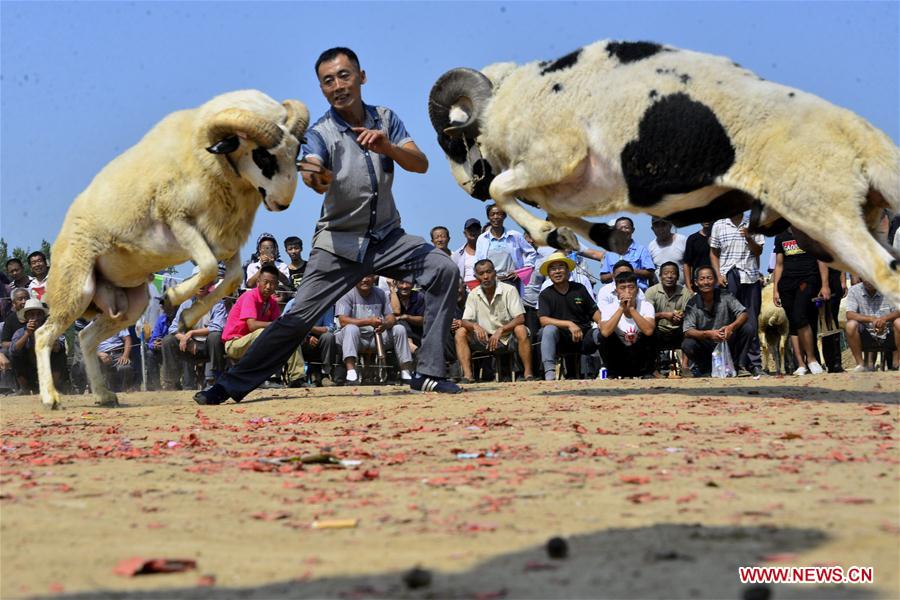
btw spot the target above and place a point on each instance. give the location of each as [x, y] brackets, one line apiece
[296, 275]
[577, 305]
[10, 325]
[797, 263]
[696, 251]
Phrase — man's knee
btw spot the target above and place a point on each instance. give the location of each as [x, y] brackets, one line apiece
[350, 331]
[521, 333]
[851, 328]
[549, 332]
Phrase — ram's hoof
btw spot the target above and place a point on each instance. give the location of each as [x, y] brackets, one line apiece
[107, 400]
[619, 242]
[563, 238]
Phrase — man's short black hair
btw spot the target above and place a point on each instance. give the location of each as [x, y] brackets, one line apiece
[333, 53]
[271, 270]
[436, 227]
[37, 253]
[625, 219]
[293, 239]
[669, 263]
[484, 261]
[623, 263]
[626, 277]
[490, 207]
[704, 267]
[14, 260]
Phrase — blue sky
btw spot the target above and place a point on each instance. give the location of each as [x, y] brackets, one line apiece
[81, 82]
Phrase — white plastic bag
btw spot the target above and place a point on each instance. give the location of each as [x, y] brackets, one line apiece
[722, 365]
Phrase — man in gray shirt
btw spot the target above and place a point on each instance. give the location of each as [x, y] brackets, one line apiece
[710, 317]
[349, 156]
[365, 312]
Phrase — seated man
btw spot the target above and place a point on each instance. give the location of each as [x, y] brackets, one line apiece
[626, 331]
[365, 312]
[566, 310]
[153, 353]
[32, 315]
[115, 361]
[871, 320]
[669, 298]
[204, 342]
[319, 346]
[409, 308]
[713, 315]
[493, 312]
[254, 311]
[11, 324]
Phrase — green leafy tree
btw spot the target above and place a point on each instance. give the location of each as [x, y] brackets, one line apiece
[4, 252]
[45, 248]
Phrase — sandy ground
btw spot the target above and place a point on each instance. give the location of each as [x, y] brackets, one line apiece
[662, 488]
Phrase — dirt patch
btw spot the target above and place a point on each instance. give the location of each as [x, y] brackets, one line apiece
[663, 489]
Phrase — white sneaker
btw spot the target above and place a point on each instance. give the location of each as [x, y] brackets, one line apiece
[801, 371]
[860, 369]
[815, 368]
[405, 375]
[352, 377]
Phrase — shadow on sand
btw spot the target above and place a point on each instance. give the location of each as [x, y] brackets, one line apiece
[662, 561]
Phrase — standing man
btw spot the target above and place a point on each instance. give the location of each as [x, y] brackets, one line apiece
[440, 238]
[696, 254]
[293, 246]
[350, 156]
[40, 270]
[667, 246]
[506, 249]
[464, 257]
[636, 255]
[734, 254]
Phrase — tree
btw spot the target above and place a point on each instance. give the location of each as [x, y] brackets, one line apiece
[22, 255]
[4, 252]
[45, 248]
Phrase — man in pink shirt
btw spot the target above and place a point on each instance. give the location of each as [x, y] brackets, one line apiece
[255, 310]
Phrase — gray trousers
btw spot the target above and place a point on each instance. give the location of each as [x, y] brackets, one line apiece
[327, 278]
[351, 338]
[179, 365]
[553, 336]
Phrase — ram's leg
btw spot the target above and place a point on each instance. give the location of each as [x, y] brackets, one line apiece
[193, 241]
[101, 328]
[67, 302]
[228, 284]
[852, 247]
[600, 234]
[503, 191]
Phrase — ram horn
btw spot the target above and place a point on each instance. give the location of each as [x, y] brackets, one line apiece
[297, 117]
[457, 101]
[238, 121]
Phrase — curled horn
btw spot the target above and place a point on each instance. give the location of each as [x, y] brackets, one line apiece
[457, 101]
[235, 120]
[297, 118]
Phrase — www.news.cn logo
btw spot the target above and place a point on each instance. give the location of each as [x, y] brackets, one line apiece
[831, 574]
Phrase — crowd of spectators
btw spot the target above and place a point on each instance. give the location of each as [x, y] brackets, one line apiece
[522, 311]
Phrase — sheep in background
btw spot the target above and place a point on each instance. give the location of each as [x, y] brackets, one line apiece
[773, 331]
[188, 190]
[691, 137]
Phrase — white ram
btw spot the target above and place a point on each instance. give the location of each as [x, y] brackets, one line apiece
[188, 190]
[641, 127]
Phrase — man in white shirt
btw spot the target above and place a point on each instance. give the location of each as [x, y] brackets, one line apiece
[667, 247]
[626, 331]
[734, 253]
[464, 257]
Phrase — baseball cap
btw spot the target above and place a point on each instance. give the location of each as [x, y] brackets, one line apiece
[472, 223]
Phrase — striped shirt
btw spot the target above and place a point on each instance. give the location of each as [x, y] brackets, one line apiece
[734, 250]
[876, 305]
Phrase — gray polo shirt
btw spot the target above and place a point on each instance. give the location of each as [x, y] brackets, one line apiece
[359, 206]
[876, 305]
[724, 310]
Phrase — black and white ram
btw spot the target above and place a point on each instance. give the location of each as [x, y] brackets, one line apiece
[641, 127]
